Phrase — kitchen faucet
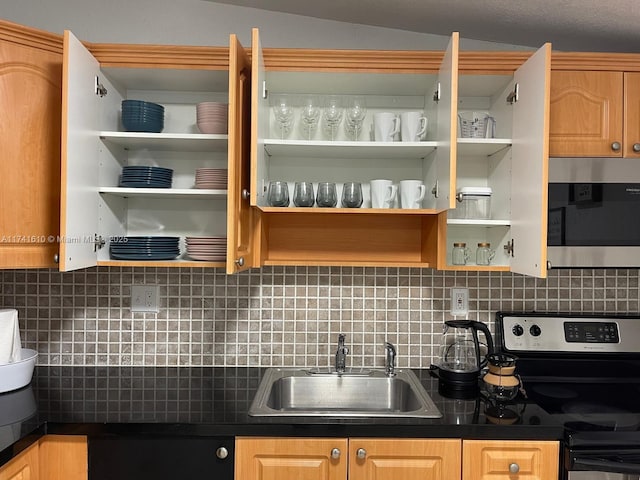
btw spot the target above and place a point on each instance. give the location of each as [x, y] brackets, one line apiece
[341, 354]
[390, 359]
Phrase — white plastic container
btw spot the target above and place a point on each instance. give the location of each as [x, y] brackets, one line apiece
[18, 374]
[474, 203]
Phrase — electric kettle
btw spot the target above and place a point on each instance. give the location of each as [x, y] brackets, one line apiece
[462, 356]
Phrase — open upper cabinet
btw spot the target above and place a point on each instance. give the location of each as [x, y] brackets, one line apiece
[95, 209]
[511, 160]
[388, 82]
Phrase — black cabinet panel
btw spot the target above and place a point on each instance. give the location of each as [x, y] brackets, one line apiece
[159, 458]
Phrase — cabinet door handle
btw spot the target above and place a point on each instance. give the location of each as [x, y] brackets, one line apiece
[335, 453]
[56, 258]
[636, 147]
[240, 262]
[615, 146]
[222, 453]
[514, 468]
[245, 194]
[361, 453]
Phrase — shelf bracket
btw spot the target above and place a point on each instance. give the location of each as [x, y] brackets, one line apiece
[100, 90]
[437, 94]
[513, 96]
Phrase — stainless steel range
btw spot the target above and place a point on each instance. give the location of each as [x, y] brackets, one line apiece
[585, 371]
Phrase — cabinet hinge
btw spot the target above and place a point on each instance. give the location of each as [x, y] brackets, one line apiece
[436, 94]
[434, 190]
[513, 96]
[509, 248]
[265, 92]
[98, 242]
[101, 91]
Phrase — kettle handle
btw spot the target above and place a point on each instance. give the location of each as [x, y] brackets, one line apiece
[487, 335]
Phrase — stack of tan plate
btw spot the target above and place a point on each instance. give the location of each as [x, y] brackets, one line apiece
[212, 117]
[213, 178]
[210, 249]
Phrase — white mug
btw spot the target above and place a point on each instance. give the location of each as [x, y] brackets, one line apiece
[383, 193]
[413, 126]
[385, 126]
[411, 193]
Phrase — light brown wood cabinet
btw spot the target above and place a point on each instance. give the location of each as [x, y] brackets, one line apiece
[595, 114]
[53, 457]
[95, 148]
[438, 83]
[510, 460]
[30, 82]
[340, 458]
[23, 467]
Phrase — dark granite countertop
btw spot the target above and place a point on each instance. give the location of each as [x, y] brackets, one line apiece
[208, 401]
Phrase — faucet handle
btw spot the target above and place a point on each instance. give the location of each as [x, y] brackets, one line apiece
[390, 359]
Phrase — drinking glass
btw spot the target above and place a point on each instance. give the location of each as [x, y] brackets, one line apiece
[354, 116]
[283, 113]
[327, 194]
[352, 195]
[303, 194]
[332, 115]
[278, 194]
[310, 115]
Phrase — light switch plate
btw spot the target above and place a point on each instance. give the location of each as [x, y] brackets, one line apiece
[144, 298]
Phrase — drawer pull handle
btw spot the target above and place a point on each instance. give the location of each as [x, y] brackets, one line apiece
[514, 468]
[222, 453]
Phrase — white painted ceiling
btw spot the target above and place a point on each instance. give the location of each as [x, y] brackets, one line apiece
[570, 25]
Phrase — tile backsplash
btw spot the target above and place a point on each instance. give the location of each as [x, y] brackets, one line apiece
[279, 315]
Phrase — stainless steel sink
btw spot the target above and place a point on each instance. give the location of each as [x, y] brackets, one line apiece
[354, 393]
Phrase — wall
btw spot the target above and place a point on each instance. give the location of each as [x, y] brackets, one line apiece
[279, 316]
[196, 22]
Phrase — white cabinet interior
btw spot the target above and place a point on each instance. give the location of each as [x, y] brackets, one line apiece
[96, 148]
[514, 164]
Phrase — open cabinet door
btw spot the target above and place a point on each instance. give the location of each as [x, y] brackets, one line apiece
[259, 120]
[448, 126]
[79, 156]
[239, 213]
[530, 164]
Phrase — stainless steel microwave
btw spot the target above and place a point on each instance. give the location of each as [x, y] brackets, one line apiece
[594, 213]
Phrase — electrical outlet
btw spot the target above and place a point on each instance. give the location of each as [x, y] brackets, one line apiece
[144, 298]
[459, 302]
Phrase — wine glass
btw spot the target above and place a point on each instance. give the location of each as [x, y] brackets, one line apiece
[310, 115]
[283, 113]
[354, 116]
[332, 115]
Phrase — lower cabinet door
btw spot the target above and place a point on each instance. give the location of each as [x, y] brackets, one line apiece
[268, 458]
[510, 460]
[137, 457]
[406, 459]
[22, 467]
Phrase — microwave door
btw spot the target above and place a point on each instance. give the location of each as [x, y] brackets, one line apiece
[593, 209]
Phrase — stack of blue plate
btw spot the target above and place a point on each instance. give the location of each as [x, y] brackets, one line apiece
[141, 116]
[146, 177]
[144, 248]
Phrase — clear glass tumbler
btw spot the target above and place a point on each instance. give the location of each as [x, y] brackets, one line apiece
[303, 194]
[352, 195]
[278, 194]
[327, 194]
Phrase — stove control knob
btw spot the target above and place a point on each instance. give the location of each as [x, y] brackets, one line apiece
[517, 330]
[535, 330]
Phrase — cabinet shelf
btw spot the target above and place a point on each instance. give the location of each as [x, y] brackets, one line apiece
[479, 223]
[356, 211]
[159, 263]
[163, 192]
[179, 142]
[482, 146]
[348, 149]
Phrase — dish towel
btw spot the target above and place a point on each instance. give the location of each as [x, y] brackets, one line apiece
[10, 345]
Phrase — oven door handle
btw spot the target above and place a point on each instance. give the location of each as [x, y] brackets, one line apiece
[609, 463]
